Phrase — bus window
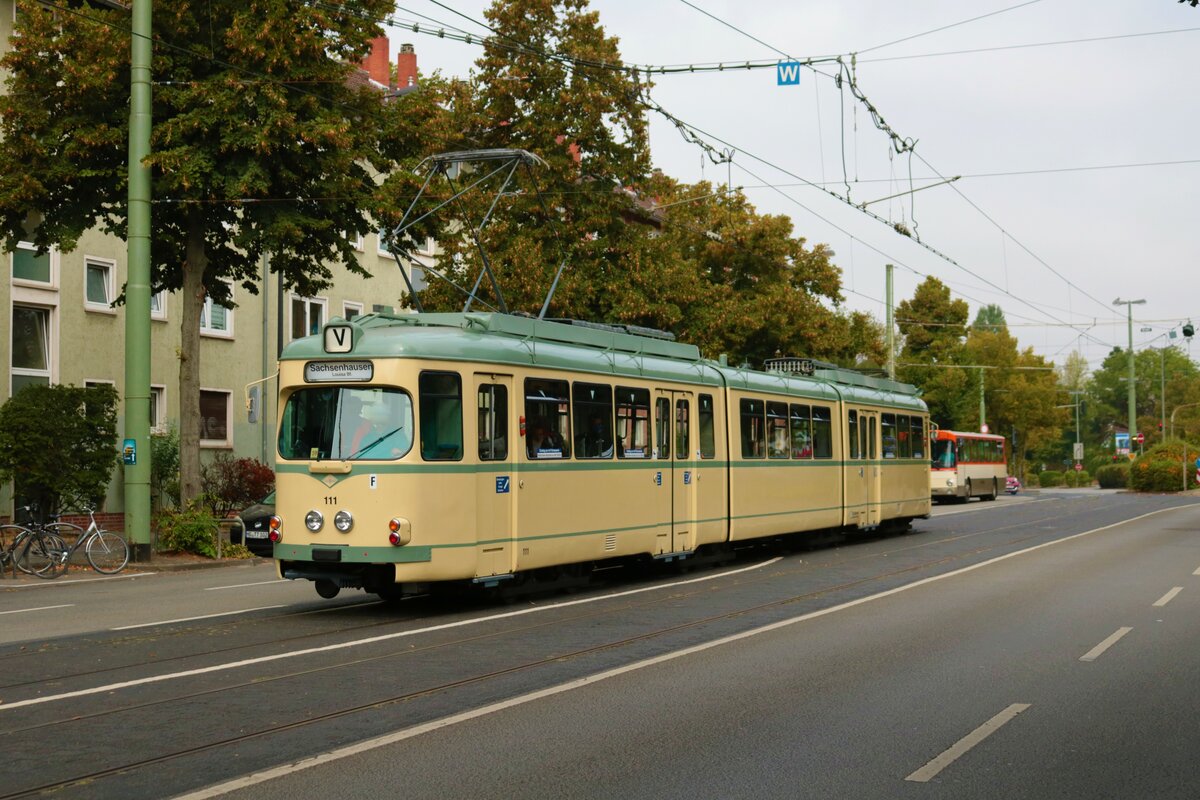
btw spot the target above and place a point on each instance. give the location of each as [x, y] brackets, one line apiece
[633, 422]
[943, 454]
[802, 432]
[917, 428]
[752, 428]
[547, 418]
[887, 425]
[593, 420]
[492, 402]
[903, 445]
[441, 416]
[683, 447]
[778, 438]
[852, 433]
[662, 421]
[708, 434]
[822, 432]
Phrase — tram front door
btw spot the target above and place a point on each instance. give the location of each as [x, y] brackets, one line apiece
[495, 481]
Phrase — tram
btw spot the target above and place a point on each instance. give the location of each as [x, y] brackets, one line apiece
[478, 448]
[966, 465]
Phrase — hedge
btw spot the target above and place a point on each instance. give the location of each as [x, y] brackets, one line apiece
[1113, 476]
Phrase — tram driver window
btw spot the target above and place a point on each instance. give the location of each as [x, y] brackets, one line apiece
[633, 422]
[547, 419]
[593, 420]
[753, 428]
[493, 422]
[441, 416]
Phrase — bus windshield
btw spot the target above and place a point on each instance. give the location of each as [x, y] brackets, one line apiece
[346, 424]
[943, 454]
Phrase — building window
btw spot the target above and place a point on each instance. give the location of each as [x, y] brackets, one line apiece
[351, 310]
[31, 352]
[216, 319]
[426, 246]
[356, 240]
[29, 266]
[158, 305]
[158, 409]
[381, 309]
[383, 241]
[98, 284]
[308, 315]
[214, 418]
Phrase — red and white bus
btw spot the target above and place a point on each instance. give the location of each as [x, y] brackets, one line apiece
[966, 465]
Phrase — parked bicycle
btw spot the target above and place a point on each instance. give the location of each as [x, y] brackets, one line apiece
[107, 552]
[34, 548]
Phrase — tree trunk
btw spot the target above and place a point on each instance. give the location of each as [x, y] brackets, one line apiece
[189, 362]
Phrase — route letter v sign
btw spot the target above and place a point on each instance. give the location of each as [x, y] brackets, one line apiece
[787, 73]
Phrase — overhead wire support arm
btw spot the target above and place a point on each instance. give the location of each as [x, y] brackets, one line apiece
[910, 191]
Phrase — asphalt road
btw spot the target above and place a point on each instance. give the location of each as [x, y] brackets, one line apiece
[1031, 647]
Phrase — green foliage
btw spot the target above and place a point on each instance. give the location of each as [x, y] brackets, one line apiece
[190, 530]
[1163, 468]
[59, 442]
[1076, 479]
[239, 551]
[934, 327]
[164, 468]
[1113, 476]
[1050, 478]
[230, 483]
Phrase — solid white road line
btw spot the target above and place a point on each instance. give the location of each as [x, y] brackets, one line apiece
[1169, 596]
[191, 619]
[40, 608]
[73, 581]
[371, 640]
[959, 748]
[243, 585]
[408, 733]
[1095, 652]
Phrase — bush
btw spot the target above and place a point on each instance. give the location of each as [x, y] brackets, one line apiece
[230, 484]
[192, 530]
[1113, 476]
[164, 469]
[1075, 478]
[1050, 478]
[1164, 467]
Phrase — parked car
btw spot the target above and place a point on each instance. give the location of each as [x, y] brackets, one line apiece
[1012, 484]
[251, 528]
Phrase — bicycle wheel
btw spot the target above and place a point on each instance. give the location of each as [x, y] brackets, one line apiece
[42, 554]
[107, 552]
[66, 531]
[10, 537]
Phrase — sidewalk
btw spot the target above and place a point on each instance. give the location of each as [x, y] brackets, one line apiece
[162, 562]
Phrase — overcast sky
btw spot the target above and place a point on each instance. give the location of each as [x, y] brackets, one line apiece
[1008, 107]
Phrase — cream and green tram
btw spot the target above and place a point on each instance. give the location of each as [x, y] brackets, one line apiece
[415, 449]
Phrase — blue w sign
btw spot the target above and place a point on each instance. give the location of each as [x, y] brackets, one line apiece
[787, 73]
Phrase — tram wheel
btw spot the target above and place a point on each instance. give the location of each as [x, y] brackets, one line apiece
[327, 588]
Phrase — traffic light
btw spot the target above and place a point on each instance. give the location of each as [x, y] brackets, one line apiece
[1188, 330]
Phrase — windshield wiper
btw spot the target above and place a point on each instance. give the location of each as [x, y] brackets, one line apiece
[365, 448]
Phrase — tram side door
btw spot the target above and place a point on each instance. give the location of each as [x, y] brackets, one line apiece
[869, 425]
[675, 470]
[496, 480]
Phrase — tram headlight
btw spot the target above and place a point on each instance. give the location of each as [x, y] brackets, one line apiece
[314, 521]
[343, 521]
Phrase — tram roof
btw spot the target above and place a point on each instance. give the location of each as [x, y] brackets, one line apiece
[525, 341]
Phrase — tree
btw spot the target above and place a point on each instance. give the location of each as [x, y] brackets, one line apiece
[56, 442]
[990, 317]
[260, 145]
[934, 329]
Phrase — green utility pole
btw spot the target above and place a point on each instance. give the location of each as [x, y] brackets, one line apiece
[982, 406]
[891, 327]
[1129, 304]
[137, 294]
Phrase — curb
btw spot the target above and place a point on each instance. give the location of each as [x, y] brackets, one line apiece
[152, 566]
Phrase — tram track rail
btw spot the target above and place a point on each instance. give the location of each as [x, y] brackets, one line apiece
[132, 765]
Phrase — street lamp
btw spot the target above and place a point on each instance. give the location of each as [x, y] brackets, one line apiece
[1132, 388]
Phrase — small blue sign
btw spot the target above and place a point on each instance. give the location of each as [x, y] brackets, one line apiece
[502, 484]
[658, 479]
[687, 477]
[787, 73]
[129, 452]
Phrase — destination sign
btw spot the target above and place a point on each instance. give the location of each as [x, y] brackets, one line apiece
[338, 371]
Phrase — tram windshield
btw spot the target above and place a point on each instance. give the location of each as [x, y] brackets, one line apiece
[943, 454]
[346, 424]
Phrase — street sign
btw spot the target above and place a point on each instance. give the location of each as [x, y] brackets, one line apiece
[983, 428]
[1140, 438]
[1078, 454]
[787, 73]
[1078, 467]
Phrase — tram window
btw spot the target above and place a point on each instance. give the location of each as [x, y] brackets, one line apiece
[852, 433]
[633, 422]
[753, 431]
[871, 438]
[708, 435]
[662, 421]
[887, 424]
[548, 418]
[346, 424]
[903, 443]
[917, 435]
[822, 432]
[493, 422]
[441, 416]
[801, 424]
[778, 444]
[593, 420]
[683, 447]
